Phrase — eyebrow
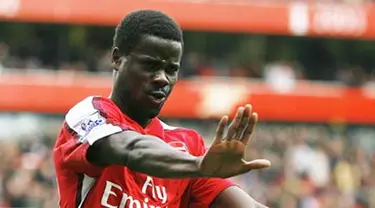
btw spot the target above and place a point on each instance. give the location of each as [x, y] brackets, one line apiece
[174, 64]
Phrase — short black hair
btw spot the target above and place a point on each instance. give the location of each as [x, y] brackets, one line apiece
[144, 22]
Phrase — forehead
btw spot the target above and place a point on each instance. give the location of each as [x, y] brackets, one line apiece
[160, 48]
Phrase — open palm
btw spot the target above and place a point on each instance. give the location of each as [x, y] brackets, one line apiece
[225, 156]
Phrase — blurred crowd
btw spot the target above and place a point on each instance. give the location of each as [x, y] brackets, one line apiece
[313, 165]
[82, 49]
[27, 176]
[281, 73]
[312, 168]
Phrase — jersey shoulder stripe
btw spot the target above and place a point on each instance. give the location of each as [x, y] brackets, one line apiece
[90, 120]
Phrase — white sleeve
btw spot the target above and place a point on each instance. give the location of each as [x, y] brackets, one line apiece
[89, 123]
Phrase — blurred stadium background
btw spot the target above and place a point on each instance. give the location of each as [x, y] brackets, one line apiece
[307, 66]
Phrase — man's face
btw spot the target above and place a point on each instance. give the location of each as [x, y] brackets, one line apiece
[148, 74]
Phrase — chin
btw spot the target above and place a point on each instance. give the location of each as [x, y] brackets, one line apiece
[154, 112]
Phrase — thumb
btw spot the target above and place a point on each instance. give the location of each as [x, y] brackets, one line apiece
[257, 164]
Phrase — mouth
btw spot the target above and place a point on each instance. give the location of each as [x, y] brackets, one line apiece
[157, 97]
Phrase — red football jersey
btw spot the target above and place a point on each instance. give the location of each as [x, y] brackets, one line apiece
[83, 185]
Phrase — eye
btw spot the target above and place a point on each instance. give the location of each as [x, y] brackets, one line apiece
[150, 65]
[172, 68]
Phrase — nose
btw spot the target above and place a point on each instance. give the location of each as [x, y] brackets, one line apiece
[161, 79]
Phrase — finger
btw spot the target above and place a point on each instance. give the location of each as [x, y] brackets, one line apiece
[257, 164]
[234, 124]
[250, 128]
[244, 122]
[220, 129]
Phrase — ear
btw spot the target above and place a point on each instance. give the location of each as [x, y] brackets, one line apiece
[116, 59]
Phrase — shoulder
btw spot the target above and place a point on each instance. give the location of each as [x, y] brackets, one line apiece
[89, 113]
[91, 104]
[88, 106]
[81, 109]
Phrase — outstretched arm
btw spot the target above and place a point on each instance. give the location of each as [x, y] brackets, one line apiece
[236, 198]
[143, 153]
[150, 155]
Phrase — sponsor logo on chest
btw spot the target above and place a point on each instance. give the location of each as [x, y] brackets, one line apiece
[149, 190]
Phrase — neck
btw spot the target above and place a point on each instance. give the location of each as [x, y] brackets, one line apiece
[130, 111]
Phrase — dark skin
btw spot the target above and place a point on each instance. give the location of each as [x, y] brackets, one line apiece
[143, 81]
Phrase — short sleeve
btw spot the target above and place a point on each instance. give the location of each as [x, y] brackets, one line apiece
[203, 191]
[87, 122]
